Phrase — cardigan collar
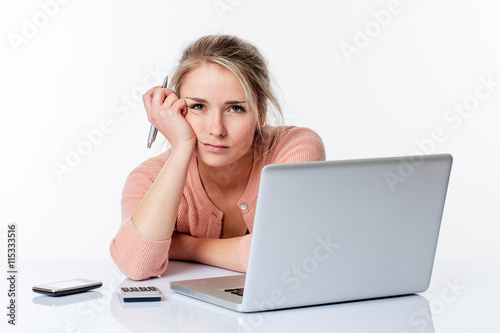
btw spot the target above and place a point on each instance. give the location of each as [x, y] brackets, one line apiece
[249, 197]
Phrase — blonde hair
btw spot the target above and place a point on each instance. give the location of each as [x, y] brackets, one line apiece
[244, 61]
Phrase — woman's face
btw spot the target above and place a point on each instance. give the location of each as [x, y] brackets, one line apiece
[219, 115]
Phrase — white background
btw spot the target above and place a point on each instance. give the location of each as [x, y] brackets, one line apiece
[86, 62]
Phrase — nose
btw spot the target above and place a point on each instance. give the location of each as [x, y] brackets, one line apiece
[216, 125]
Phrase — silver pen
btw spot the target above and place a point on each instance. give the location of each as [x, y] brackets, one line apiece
[153, 130]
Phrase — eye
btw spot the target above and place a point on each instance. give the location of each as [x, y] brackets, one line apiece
[237, 109]
[197, 107]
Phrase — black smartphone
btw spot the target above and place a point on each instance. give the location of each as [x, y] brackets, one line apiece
[67, 287]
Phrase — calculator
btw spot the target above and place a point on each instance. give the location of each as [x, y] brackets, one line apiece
[140, 294]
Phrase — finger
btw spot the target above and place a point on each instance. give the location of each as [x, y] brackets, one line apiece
[149, 94]
[158, 98]
[148, 97]
[169, 91]
[170, 100]
[150, 91]
[181, 106]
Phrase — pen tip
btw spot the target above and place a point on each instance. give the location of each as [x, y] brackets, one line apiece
[149, 145]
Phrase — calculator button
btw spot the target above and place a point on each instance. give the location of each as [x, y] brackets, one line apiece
[140, 294]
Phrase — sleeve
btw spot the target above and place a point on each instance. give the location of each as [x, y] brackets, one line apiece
[297, 144]
[136, 256]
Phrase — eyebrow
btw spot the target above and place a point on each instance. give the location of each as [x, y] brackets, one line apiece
[202, 100]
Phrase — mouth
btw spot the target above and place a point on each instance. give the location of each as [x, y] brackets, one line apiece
[214, 148]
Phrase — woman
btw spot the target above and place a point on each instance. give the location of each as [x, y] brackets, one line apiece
[196, 202]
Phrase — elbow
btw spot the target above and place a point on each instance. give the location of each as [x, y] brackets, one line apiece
[137, 269]
[136, 276]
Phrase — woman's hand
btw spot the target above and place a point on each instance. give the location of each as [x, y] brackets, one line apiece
[215, 252]
[156, 214]
[167, 113]
[180, 247]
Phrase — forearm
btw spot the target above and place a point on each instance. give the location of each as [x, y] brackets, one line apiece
[155, 216]
[222, 253]
[138, 257]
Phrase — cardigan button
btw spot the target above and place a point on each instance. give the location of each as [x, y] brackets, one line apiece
[244, 206]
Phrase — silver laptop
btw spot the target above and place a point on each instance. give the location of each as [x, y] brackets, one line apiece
[336, 231]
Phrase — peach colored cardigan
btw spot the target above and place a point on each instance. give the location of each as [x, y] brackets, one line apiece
[140, 258]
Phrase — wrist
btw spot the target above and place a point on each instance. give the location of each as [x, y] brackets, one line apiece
[183, 247]
[193, 247]
[187, 145]
[183, 151]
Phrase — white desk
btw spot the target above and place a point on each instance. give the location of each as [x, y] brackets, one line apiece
[464, 296]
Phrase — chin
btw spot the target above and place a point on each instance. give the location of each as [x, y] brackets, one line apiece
[214, 160]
